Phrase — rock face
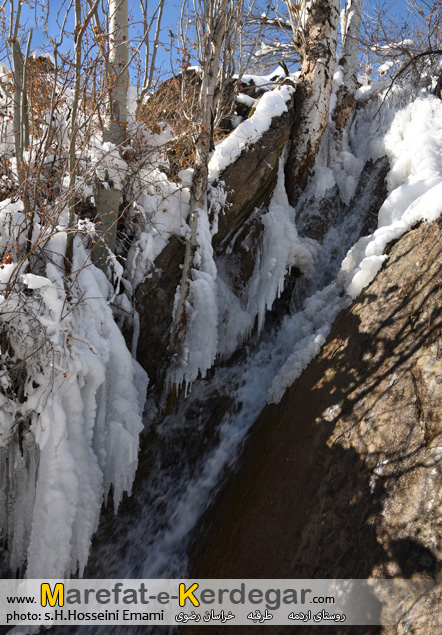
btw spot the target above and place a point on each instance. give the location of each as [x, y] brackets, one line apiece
[250, 182]
[343, 479]
[154, 302]
[251, 179]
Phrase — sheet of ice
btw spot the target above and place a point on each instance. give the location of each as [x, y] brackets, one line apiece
[218, 320]
[201, 340]
[313, 325]
[282, 249]
[83, 397]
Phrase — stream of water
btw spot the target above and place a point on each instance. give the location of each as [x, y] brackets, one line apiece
[192, 449]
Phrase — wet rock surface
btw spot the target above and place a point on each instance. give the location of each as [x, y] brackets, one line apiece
[343, 479]
[371, 192]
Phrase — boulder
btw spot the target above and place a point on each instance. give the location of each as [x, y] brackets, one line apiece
[343, 478]
[249, 181]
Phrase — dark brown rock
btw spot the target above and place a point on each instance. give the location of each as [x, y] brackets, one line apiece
[343, 479]
[154, 302]
[251, 179]
[250, 182]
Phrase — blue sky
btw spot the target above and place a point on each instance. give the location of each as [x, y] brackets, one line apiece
[171, 13]
[40, 38]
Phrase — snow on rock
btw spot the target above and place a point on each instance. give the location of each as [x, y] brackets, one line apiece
[271, 104]
[413, 144]
[265, 82]
[414, 147]
[247, 100]
[201, 340]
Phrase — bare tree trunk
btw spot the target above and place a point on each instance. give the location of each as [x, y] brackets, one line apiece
[149, 63]
[21, 115]
[115, 127]
[72, 145]
[108, 209]
[17, 58]
[318, 55]
[350, 28]
[80, 28]
[216, 33]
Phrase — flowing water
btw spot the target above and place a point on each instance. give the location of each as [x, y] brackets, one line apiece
[190, 451]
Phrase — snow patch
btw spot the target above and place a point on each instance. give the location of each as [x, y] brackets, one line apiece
[271, 104]
[413, 144]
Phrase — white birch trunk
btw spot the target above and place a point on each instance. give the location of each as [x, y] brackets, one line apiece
[350, 28]
[74, 129]
[17, 58]
[318, 56]
[149, 63]
[115, 127]
[21, 115]
[79, 30]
